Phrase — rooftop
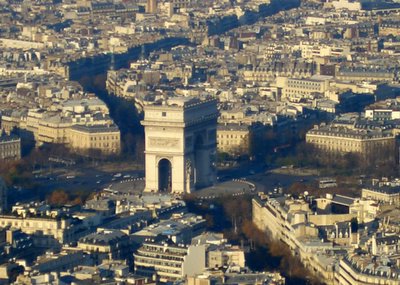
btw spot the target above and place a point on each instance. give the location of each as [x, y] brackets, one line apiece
[96, 128]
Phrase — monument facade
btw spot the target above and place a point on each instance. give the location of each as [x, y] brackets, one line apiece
[180, 144]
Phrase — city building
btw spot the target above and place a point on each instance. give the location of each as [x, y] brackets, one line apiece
[104, 138]
[256, 278]
[313, 234]
[346, 5]
[151, 6]
[369, 269]
[105, 244]
[294, 89]
[46, 231]
[233, 139]
[342, 140]
[10, 147]
[180, 229]
[63, 261]
[168, 261]
[384, 191]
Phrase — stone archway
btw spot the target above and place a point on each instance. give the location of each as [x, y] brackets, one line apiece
[183, 131]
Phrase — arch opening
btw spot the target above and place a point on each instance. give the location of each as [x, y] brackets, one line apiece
[164, 175]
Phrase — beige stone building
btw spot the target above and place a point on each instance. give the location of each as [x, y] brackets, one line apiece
[53, 130]
[107, 244]
[294, 222]
[9, 121]
[363, 74]
[232, 116]
[151, 6]
[287, 221]
[345, 140]
[105, 138]
[169, 262]
[296, 89]
[49, 230]
[225, 257]
[385, 194]
[233, 138]
[367, 269]
[389, 28]
[390, 197]
[10, 148]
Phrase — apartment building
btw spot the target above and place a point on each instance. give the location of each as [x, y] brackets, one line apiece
[11, 119]
[267, 72]
[233, 138]
[225, 256]
[47, 231]
[53, 130]
[384, 191]
[311, 50]
[313, 233]
[169, 262]
[362, 74]
[180, 228]
[10, 147]
[388, 28]
[367, 269]
[296, 89]
[385, 243]
[105, 138]
[382, 114]
[346, 140]
[387, 195]
[65, 260]
[105, 244]
[287, 221]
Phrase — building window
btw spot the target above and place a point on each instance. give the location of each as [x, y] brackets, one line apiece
[164, 114]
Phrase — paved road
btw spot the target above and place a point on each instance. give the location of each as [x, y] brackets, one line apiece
[263, 177]
[90, 179]
[72, 179]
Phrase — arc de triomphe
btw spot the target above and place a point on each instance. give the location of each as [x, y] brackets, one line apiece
[180, 147]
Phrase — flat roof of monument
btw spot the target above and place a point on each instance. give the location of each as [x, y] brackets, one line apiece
[182, 101]
[179, 102]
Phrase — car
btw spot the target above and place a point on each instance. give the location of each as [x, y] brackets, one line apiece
[70, 176]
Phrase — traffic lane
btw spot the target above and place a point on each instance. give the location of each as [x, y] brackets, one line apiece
[269, 181]
[242, 171]
[86, 180]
